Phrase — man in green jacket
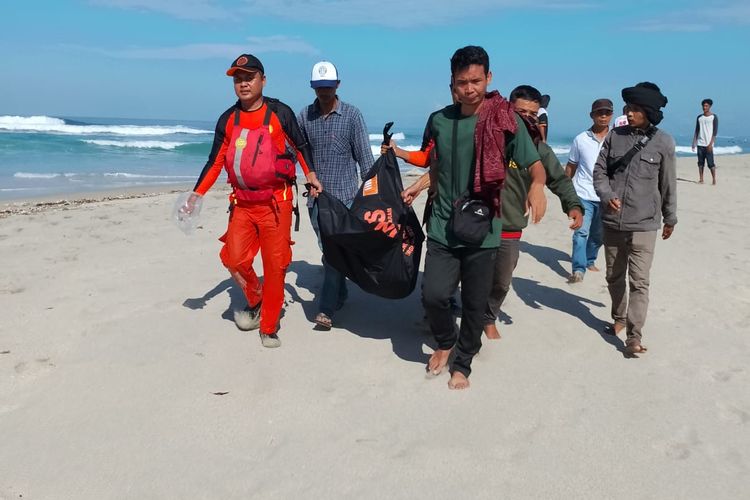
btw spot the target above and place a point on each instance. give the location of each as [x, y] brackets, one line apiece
[526, 100]
[451, 132]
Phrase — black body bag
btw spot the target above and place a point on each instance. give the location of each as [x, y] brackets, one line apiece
[377, 243]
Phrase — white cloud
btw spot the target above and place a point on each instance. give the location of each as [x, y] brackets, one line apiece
[699, 18]
[202, 10]
[197, 51]
[392, 13]
[657, 26]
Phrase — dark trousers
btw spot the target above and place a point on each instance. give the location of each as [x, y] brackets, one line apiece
[705, 156]
[334, 292]
[444, 268]
[505, 264]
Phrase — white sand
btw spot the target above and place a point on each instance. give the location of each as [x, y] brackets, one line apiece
[116, 331]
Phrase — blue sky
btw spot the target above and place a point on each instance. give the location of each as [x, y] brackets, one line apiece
[166, 58]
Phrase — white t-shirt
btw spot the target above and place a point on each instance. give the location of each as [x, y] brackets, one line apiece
[583, 153]
[621, 121]
[706, 127]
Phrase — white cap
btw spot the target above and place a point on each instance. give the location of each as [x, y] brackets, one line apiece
[324, 74]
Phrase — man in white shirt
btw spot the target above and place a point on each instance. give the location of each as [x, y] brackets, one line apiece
[587, 240]
[706, 128]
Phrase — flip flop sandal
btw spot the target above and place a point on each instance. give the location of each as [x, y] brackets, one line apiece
[429, 374]
[323, 321]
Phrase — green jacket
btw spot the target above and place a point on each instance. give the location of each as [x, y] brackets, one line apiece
[454, 144]
[518, 181]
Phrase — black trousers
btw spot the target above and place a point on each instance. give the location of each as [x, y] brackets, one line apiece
[444, 268]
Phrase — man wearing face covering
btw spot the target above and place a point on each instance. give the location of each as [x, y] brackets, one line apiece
[635, 179]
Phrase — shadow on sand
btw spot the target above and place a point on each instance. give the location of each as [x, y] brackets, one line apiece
[687, 180]
[364, 315]
[536, 295]
[236, 298]
[548, 256]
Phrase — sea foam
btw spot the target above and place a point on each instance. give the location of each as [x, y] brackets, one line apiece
[398, 136]
[718, 150]
[408, 147]
[136, 144]
[53, 125]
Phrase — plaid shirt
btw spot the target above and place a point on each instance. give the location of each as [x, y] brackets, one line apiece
[339, 142]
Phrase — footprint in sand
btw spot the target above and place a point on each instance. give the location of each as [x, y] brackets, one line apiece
[681, 447]
[35, 369]
[733, 414]
[70, 258]
[7, 409]
[725, 375]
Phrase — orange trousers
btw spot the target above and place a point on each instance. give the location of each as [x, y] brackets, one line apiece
[264, 226]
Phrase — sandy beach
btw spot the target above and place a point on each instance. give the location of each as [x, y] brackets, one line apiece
[123, 376]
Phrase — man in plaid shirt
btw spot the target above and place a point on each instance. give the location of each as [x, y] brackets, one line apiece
[342, 157]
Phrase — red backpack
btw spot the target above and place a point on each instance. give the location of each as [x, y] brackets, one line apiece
[254, 164]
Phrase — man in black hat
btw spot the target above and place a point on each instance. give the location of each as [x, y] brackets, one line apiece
[635, 179]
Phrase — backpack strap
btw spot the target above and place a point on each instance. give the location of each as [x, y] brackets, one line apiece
[267, 116]
[624, 161]
[295, 207]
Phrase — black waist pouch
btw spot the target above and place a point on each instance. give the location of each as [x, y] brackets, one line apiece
[470, 221]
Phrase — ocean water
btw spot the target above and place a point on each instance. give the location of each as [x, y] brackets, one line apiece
[45, 156]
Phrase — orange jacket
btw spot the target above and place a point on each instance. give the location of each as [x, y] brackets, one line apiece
[284, 131]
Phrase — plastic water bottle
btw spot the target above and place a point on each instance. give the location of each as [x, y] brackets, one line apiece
[186, 211]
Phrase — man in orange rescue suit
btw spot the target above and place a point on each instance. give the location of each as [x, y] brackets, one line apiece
[257, 141]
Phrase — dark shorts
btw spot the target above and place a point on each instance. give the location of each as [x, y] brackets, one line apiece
[704, 155]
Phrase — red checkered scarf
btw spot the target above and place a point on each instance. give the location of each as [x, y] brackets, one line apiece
[496, 122]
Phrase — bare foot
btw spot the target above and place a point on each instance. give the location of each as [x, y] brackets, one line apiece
[458, 381]
[438, 361]
[492, 332]
[634, 346]
[614, 328]
[593, 268]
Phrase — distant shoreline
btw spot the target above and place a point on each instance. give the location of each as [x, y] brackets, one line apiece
[64, 201]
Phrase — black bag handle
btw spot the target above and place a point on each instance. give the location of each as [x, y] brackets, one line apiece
[386, 135]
